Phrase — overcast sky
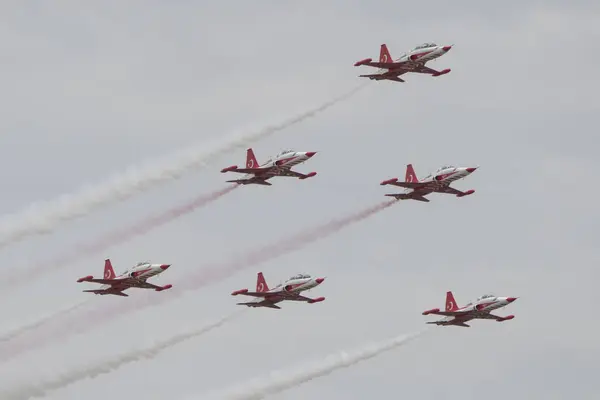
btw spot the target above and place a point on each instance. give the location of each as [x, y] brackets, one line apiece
[89, 90]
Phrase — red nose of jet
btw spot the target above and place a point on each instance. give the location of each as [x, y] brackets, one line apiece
[319, 280]
[511, 299]
[309, 154]
[469, 170]
[447, 48]
[165, 266]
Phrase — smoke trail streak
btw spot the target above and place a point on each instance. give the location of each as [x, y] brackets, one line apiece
[33, 388]
[62, 329]
[20, 277]
[43, 218]
[279, 381]
[33, 325]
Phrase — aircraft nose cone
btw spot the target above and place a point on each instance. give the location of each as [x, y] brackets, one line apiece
[446, 48]
[309, 154]
[165, 266]
[319, 280]
[511, 299]
[471, 169]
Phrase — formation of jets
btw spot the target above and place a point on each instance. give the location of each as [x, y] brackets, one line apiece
[281, 165]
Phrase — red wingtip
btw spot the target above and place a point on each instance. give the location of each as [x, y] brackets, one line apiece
[85, 278]
[505, 318]
[361, 62]
[239, 292]
[431, 311]
[233, 167]
[389, 181]
[317, 300]
[160, 289]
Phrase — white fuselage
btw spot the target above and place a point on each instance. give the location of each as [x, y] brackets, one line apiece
[421, 56]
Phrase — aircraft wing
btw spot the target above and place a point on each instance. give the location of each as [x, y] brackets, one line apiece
[450, 190]
[290, 173]
[298, 298]
[447, 313]
[385, 65]
[409, 185]
[105, 281]
[127, 281]
[250, 170]
[253, 294]
[425, 70]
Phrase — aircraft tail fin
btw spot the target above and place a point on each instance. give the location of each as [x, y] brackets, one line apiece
[261, 283]
[384, 55]
[109, 272]
[411, 176]
[450, 302]
[251, 159]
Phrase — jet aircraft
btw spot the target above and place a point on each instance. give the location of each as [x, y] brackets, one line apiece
[280, 165]
[134, 277]
[289, 290]
[412, 61]
[438, 182]
[479, 309]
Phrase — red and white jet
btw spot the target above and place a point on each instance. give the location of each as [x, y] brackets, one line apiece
[413, 61]
[438, 182]
[280, 165]
[135, 277]
[289, 290]
[479, 309]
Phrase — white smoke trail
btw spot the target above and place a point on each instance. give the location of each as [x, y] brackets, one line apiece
[21, 276]
[33, 325]
[42, 388]
[43, 218]
[279, 381]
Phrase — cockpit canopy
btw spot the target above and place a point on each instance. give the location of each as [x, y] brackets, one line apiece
[443, 167]
[285, 152]
[485, 296]
[142, 263]
[425, 45]
[299, 276]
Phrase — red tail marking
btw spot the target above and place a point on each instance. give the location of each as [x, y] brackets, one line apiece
[410, 174]
[109, 272]
[261, 283]
[251, 159]
[384, 55]
[450, 302]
